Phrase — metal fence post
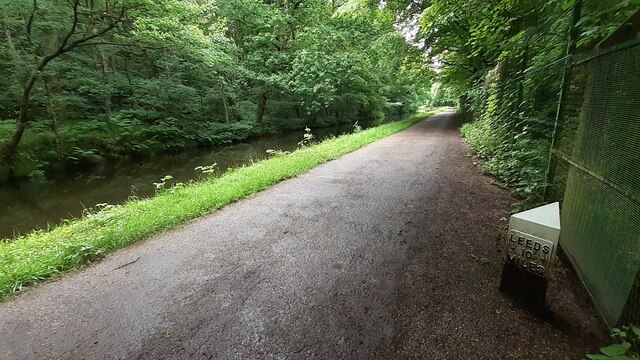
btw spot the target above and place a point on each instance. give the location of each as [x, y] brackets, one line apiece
[574, 34]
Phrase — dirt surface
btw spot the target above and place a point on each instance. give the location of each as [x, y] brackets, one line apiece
[379, 254]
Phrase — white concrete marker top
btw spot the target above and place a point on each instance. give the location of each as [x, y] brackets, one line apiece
[543, 222]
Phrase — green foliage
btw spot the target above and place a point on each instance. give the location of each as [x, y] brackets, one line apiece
[162, 184]
[482, 260]
[91, 142]
[167, 75]
[627, 346]
[356, 128]
[500, 57]
[518, 163]
[277, 152]
[307, 138]
[440, 95]
[44, 254]
[206, 170]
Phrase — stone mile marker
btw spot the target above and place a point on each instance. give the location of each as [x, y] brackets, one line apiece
[531, 247]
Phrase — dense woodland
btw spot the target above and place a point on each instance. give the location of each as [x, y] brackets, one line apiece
[88, 80]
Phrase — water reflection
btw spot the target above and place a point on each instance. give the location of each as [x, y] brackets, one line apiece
[36, 204]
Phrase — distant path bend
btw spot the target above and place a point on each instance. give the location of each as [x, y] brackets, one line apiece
[368, 256]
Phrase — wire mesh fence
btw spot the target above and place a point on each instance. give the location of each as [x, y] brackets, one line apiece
[591, 104]
[595, 173]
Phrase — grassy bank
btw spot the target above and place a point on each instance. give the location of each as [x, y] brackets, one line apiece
[44, 254]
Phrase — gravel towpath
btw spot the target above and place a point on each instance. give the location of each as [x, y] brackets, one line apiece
[388, 252]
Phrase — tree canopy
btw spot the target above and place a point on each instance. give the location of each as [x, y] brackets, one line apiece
[118, 78]
[505, 59]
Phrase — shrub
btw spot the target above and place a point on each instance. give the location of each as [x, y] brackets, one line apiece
[518, 162]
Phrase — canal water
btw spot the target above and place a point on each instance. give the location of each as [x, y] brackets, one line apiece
[38, 204]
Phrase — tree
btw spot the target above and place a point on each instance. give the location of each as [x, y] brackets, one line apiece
[505, 60]
[120, 78]
[86, 24]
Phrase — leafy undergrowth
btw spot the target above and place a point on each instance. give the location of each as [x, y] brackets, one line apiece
[44, 254]
[86, 143]
[627, 346]
[517, 162]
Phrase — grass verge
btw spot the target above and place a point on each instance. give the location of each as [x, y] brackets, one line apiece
[44, 254]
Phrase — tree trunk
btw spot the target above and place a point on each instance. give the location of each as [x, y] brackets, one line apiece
[11, 149]
[105, 80]
[54, 121]
[131, 99]
[226, 109]
[202, 112]
[262, 107]
[224, 101]
[12, 47]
